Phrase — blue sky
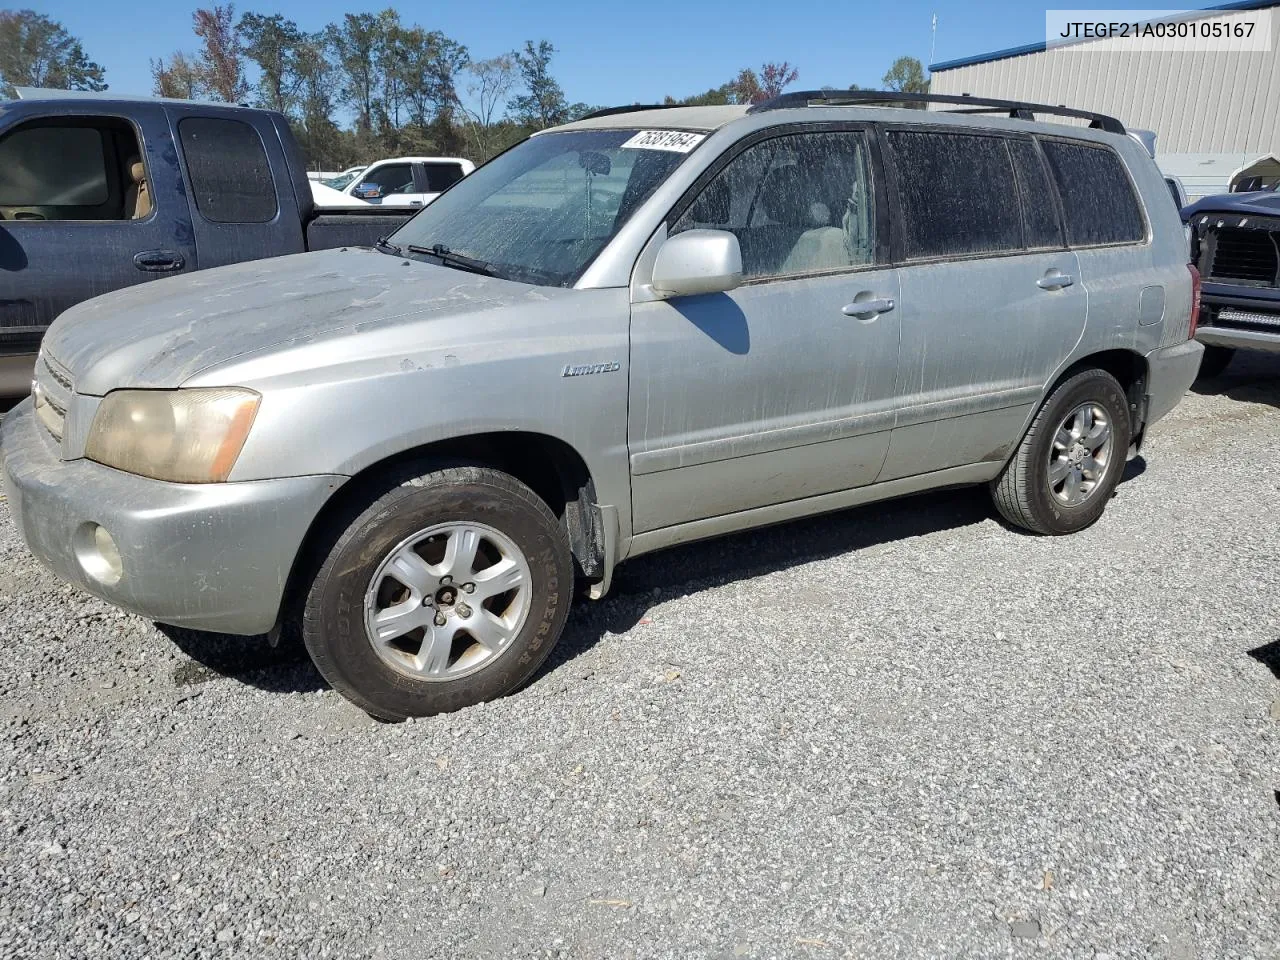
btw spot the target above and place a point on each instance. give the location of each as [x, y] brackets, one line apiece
[612, 51]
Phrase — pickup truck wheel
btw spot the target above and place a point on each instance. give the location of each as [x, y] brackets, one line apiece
[448, 590]
[1215, 362]
[1070, 461]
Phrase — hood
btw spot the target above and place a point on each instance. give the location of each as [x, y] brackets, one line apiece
[162, 333]
[1262, 203]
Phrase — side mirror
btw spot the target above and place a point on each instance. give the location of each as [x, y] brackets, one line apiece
[697, 261]
[368, 191]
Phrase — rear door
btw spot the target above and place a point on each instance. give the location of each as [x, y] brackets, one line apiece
[438, 176]
[243, 200]
[992, 302]
[89, 202]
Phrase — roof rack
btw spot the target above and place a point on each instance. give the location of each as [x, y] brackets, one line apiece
[1016, 109]
[629, 108]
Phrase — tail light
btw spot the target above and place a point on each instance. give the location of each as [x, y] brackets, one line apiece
[1195, 301]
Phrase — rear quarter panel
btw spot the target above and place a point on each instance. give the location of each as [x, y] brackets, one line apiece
[1121, 315]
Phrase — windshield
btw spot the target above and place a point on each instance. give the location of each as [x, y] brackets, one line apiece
[340, 181]
[540, 212]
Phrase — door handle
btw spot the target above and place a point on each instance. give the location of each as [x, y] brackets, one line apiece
[1055, 279]
[868, 308]
[415, 203]
[159, 261]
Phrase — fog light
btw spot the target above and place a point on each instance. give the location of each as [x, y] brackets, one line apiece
[97, 554]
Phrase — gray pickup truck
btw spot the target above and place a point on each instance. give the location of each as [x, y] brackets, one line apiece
[99, 191]
[642, 328]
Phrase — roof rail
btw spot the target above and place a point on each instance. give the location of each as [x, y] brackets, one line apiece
[1016, 109]
[629, 108]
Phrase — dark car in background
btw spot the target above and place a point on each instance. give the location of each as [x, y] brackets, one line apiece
[1234, 243]
[99, 192]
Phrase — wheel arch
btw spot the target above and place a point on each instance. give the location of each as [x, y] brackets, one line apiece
[1130, 369]
[549, 466]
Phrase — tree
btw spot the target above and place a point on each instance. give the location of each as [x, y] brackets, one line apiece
[429, 68]
[221, 59]
[36, 51]
[272, 43]
[906, 76]
[773, 78]
[180, 77]
[322, 141]
[747, 87]
[356, 45]
[488, 88]
[543, 103]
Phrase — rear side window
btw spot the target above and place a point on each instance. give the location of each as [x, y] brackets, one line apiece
[1097, 198]
[442, 176]
[1039, 211]
[957, 193]
[229, 172]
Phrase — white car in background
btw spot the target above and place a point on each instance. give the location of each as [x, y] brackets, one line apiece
[339, 181]
[407, 181]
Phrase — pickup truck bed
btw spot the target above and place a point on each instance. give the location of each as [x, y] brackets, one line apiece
[99, 192]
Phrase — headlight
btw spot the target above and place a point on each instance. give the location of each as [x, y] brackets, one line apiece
[185, 436]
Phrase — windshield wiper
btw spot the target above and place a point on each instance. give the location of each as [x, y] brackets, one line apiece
[386, 246]
[451, 259]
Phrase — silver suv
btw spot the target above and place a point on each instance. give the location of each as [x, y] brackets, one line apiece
[639, 329]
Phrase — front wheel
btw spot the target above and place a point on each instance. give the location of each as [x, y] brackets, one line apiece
[447, 590]
[1070, 461]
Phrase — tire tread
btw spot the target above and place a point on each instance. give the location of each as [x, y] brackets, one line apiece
[418, 475]
[1011, 491]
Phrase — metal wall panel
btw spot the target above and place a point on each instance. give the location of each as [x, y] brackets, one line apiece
[1197, 102]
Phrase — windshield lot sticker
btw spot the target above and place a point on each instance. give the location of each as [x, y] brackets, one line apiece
[676, 141]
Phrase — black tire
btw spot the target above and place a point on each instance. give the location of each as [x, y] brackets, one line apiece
[1022, 492]
[1215, 362]
[333, 621]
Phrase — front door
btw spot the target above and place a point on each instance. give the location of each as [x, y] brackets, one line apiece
[399, 185]
[783, 388]
[88, 204]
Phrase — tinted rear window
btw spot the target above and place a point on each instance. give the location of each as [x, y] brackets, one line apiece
[442, 176]
[1097, 197]
[229, 172]
[957, 192]
[1039, 209]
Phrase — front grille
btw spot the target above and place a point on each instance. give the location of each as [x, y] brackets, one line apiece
[1247, 256]
[53, 390]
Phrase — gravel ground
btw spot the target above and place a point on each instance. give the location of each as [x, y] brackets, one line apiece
[901, 731]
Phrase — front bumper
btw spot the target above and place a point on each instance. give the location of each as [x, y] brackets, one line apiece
[1170, 373]
[209, 556]
[1247, 337]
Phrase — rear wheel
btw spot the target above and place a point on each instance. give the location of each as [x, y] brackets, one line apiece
[448, 590]
[1215, 362]
[1070, 461]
